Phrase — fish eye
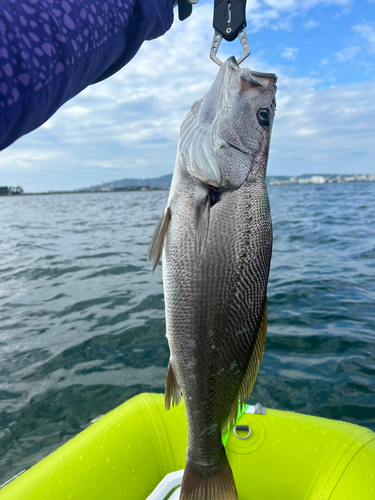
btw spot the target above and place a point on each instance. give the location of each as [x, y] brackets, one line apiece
[263, 116]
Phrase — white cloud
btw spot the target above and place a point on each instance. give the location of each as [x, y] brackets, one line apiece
[120, 163]
[289, 53]
[132, 119]
[128, 125]
[347, 54]
[47, 124]
[319, 130]
[310, 24]
[306, 131]
[368, 67]
[368, 33]
[25, 158]
[279, 13]
[76, 111]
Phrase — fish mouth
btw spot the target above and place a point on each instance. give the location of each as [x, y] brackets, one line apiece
[267, 80]
[223, 143]
[254, 78]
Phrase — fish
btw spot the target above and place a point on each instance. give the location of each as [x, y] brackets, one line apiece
[215, 240]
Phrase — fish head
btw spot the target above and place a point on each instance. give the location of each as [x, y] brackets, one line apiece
[226, 135]
[241, 131]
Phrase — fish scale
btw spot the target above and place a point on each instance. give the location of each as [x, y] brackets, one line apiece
[216, 239]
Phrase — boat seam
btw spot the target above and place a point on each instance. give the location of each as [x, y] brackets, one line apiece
[365, 444]
[149, 433]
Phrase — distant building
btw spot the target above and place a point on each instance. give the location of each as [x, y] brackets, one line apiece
[321, 179]
[317, 179]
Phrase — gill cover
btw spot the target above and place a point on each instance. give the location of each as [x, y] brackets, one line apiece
[221, 135]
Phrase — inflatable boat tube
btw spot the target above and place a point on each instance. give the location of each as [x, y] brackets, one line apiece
[278, 455]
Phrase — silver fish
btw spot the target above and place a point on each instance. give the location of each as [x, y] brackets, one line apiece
[216, 239]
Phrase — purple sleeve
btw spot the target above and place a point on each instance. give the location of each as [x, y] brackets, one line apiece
[50, 50]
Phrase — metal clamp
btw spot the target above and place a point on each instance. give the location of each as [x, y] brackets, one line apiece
[229, 23]
[216, 43]
[243, 428]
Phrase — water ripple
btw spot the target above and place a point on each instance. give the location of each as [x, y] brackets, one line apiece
[83, 325]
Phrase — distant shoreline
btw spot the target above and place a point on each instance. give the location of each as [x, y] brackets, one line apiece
[85, 191]
[271, 181]
[319, 179]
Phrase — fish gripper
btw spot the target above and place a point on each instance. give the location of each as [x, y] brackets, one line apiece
[229, 23]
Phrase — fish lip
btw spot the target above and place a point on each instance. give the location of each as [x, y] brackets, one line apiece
[270, 76]
[257, 79]
[253, 74]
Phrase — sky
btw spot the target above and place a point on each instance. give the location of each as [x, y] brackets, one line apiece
[323, 52]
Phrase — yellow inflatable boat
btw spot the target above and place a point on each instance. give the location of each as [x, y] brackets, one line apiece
[274, 455]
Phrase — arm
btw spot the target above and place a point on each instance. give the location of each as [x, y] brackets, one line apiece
[50, 50]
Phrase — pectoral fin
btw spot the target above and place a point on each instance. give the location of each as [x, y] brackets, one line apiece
[157, 242]
[251, 371]
[172, 388]
[203, 219]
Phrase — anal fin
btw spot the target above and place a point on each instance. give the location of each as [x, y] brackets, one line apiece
[172, 388]
[157, 242]
[251, 372]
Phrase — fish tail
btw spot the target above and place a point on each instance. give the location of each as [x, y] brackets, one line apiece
[208, 483]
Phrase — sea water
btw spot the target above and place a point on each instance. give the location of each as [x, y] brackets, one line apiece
[82, 318]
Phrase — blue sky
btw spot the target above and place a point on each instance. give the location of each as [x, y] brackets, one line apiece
[127, 126]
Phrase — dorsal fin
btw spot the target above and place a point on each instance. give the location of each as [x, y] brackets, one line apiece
[157, 242]
[251, 372]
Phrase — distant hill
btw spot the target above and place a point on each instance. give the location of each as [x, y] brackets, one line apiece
[164, 182]
[159, 182]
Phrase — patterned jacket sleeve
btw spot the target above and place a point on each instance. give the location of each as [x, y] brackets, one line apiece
[50, 50]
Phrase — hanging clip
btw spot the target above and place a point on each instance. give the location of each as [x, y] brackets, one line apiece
[229, 23]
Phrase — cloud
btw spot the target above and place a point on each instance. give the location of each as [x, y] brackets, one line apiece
[76, 112]
[310, 24]
[278, 14]
[368, 67]
[131, 119]
[347, 54]
[368, 33]
[319, 130]
[128, 125]
[25, 158]
[289, 53]
[324, 62]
